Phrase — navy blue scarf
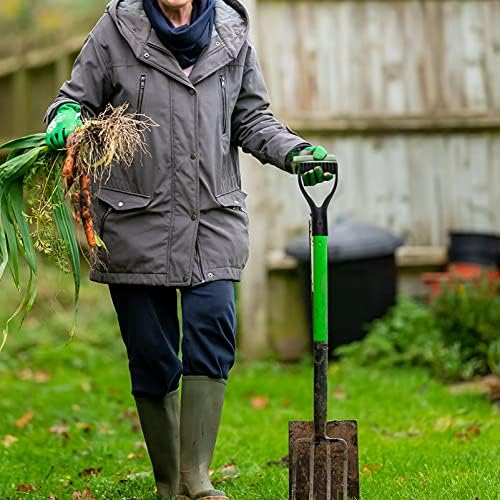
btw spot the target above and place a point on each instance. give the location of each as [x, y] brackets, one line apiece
[186, 42]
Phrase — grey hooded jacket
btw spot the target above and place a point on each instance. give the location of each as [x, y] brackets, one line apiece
[178, 216]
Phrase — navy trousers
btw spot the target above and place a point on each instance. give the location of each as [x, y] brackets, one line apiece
[149, 326]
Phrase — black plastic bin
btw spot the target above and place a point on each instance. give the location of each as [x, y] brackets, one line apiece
[474, 247]
[362, 277]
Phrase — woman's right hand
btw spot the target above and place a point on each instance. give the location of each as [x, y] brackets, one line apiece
[64, 123]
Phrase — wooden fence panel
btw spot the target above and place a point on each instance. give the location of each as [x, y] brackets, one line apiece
[381, 58]
[417, 186]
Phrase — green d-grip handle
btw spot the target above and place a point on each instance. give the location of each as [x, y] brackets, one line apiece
[319, 243]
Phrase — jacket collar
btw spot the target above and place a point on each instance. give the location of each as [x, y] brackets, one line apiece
[229, 35]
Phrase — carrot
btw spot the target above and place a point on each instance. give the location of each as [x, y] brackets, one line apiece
[84, 182]
[86, 210]
[75, 197]
[88, 226]
[69, 167]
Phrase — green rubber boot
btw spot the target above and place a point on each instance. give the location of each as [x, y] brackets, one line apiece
[201, 409]
[160, 426]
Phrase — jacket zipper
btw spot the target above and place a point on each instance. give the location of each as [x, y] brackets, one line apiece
[140, 98]
[103, 221]
[224, 103]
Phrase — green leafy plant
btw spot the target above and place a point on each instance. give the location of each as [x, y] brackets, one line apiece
[456, 337]
[28, 159]
[35, 185]
[468, 317]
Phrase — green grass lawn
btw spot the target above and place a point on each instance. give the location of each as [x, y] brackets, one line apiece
[68, 419]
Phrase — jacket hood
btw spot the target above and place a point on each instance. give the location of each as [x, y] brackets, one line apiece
[231, 23]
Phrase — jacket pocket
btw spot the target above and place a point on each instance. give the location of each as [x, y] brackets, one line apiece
[223, 238]
[234, 200]
[119, 201]
[129, 231]
[223, 87]
[140, 96]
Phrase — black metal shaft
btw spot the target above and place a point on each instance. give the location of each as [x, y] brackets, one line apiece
[320, 388]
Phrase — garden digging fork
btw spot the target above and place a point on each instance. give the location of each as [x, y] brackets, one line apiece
[323, 454]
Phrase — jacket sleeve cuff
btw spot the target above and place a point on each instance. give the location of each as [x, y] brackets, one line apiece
[289, 156]
[52, 111]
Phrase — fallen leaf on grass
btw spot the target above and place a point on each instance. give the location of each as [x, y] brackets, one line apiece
[86, 386]
[414, 432]
[140, 445]
[26, 374]
[25, 488]
[84, 426]
[259, 402]
[472, 431]
[225, 473]
[92, 471]
[24, 420]
[444, 423]
[86, 494]
[401, 480]
[39, 377]
[129, 414]
[52, 497]
[105, 428]
[76, 408]
[42, 377]
[61, 430]
[492, 384]
[283, 462]
[9, 440]
[399, 434]
[131, 456]
[370, 469]
[339, 395]
[136, 475]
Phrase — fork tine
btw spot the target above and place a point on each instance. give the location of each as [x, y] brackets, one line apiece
[328, 471]
[311, 470]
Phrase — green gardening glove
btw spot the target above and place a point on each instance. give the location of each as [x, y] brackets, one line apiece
[315, 175]
[63, 124]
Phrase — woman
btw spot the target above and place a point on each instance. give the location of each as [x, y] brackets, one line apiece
[177, 219]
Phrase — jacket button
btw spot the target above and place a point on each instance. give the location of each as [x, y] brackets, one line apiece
[185, 278]
[192, 91]
[194, 217]
[120, 204]
[193, 156]
[146, 55]
[210, 275]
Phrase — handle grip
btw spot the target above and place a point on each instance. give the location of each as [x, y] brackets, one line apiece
[319, 223]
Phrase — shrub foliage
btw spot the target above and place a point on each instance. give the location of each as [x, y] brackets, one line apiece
[456, 337]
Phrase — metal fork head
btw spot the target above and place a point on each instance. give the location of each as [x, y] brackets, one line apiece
[319, 478]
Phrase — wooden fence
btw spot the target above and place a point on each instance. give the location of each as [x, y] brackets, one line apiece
[28, 84]
[406, 92]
